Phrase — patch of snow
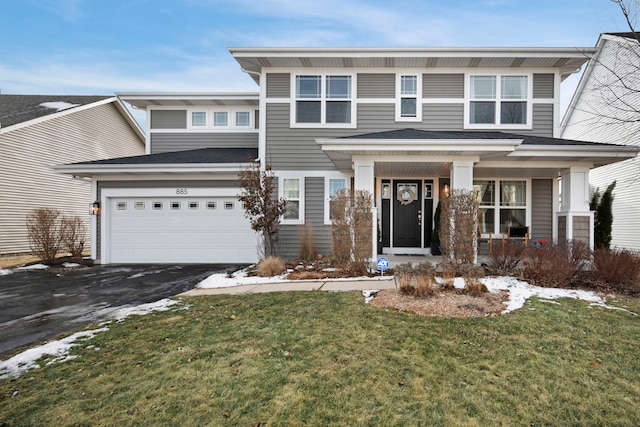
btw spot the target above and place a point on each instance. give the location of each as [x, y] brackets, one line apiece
[33, 267]
[5, 272]
[70, 264]
[59, 349]
[14, 367]
[58, 105]
[369, 295]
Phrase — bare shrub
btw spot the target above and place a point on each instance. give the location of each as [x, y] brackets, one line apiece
[505, 257]
[73, 232]
[308, 250]
[271, 266]
[44, 234]
[424, 285]
[351, 229]
[459, 226]
[470, 270]
[448, 276]
[474, 287]
[616, 267]
[553, 266]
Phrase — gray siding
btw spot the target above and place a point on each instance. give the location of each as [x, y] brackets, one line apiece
[542, 210]
[278, 85]
[289, 236]
[543, 85]
[376, 85]
[166, 142]
[168, 119]
[443, 86]
[101, 185]
[443, 117]
[542, 120]
[26, 157]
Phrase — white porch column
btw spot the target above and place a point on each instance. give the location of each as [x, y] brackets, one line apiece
[462, 175]
[364, 179]
[575, 220]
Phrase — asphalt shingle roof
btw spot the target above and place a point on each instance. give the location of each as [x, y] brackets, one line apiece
[201, 156]
[408, 134]
[16, 109]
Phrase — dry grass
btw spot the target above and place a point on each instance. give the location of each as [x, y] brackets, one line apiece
[271, 266]
[17, 260]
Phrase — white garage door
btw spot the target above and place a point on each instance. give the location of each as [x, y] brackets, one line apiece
[179, 230]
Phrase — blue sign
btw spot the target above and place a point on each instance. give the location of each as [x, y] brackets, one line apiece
[382, 263]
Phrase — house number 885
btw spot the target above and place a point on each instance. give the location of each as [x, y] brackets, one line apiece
[181, 191]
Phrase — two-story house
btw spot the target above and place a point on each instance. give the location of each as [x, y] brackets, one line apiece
[407, 125]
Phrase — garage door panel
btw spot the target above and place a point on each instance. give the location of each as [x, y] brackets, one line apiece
[168, 230]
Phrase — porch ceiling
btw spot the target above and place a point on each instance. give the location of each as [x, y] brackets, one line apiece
[410, 169]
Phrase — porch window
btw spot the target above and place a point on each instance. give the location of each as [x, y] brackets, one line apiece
[332, 187]
[292, 193]
[503, 209]
[323, 99]
[498, 100]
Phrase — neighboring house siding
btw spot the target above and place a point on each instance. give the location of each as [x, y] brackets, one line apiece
[166, 142]
[101, 185]
[542, 210]
[543, 86]
[376, 85]
[589, 121]
[289, 237]
[26, 157]
[278, 85]
[443, 86]
[168, 119]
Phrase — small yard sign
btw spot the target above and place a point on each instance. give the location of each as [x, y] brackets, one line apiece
[382, 264]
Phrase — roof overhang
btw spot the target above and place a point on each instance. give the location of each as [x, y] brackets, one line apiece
[142, 100]
[566, 60]
[88, 171]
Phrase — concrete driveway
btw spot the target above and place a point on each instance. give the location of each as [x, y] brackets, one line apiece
[36, 305]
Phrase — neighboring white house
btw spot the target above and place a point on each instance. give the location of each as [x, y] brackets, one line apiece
[39, 131]
[606, 108]
[404, 124]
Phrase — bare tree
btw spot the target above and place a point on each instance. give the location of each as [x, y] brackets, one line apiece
[260, 205]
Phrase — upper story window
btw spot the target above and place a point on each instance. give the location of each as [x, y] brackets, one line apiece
[323, 99]
[221, 119]
[499, 101]
[198, 118]
[408, 100]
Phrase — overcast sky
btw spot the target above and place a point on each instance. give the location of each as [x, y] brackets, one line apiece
[99, 47]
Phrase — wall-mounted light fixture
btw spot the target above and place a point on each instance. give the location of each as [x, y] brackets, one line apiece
[95, 208]
[445, 190]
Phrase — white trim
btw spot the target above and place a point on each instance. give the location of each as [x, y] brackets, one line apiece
[327, 197]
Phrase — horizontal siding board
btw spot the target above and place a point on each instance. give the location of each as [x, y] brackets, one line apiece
[278, 85]
[26, 157]
[543, 85]
[443, 86]
[376, 85]
[542, 120]
[443, 117]
[542, 210]
[168, 119]
[167, 142]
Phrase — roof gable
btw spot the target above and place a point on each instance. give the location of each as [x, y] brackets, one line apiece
[16, 109]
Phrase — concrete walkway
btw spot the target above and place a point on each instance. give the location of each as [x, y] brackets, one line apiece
[329, 285]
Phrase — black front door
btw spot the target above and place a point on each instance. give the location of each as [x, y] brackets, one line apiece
[407, 214]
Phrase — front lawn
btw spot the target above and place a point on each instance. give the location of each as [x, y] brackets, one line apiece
[318, 359]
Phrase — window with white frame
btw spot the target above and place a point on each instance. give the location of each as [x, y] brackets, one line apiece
[291, 190]
[409, 96]
[323, 99]
[332, 187]
[220, 118]
[243, 118]
[498, 100]
[198, 118]
[503, 204]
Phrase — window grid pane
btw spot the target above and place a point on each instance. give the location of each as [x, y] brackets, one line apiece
[408, 107]
[482, 112]
[338, 87]
[308, 111]
[308, 86]
[338, 111]
[485, 192]
[408, 85]
[513, 87]
[198, 118]
[336, 185]
[243, 118]
[291, 189]
[483, 87]
[220, 118]
[513, 193]
[513, 112]
[512, 218]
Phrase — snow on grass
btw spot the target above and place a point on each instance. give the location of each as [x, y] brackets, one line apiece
[59, 349]
[70, 264]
